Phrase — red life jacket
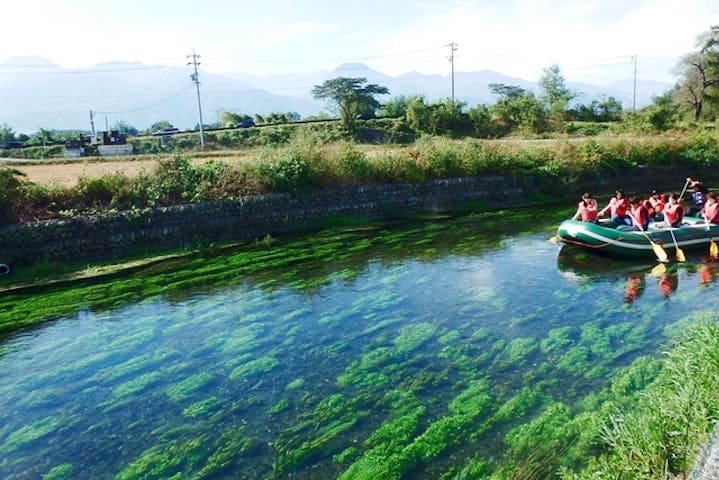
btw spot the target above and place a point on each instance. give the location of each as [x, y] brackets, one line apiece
[673, 213]
[711, 212]
[588, 211]
[619, 207]
[641, 215]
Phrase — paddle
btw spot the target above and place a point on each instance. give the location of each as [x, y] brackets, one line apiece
[680, 253]
[686, 184]
[713, 250]
[658, 250]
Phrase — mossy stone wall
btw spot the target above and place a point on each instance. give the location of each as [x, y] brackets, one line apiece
[106, 236]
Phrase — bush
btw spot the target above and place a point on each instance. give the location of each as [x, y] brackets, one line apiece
[10, 191]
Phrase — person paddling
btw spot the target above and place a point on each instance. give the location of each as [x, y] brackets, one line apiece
[655, 205]
[586, 209]
[711, 208]
[639, 214]
[618, 207]
[698, 195]
[673, 213]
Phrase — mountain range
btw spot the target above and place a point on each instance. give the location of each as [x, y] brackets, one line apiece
[35, 93]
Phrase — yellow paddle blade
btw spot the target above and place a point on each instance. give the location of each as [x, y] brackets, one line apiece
[660, 253]
[658, 271]
[680, 255]
[713, 250]
[554, 239]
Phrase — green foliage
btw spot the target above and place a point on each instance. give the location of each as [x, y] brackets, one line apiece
[702, 149]
[351, 96]
[10, 191]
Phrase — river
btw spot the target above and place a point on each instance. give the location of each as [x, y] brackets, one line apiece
[430, 349]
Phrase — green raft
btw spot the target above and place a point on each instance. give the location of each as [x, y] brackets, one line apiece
[606, 237]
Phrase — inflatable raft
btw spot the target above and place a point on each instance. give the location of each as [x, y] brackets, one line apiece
[607, 238]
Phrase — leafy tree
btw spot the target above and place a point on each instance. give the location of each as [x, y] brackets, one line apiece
[228, 118]
[664, 113]
[159, 125]
[609, 109]
[700, 74]
[351, 96]
[397, 107]
[124, 127]
[6, 134]
[517, 109]
[555, 94]
[443, 117]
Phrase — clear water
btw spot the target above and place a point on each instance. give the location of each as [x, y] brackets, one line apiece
[296, 359]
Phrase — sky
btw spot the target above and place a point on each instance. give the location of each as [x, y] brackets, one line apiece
[590, 40]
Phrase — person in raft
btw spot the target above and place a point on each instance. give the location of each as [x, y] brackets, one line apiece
[618, 207]
[673, 213]
[639, 214]
[587, 209]
[711, 208]
[698, 195]
[655, 205]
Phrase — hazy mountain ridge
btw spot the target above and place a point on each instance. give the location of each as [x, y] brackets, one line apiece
[35, 93]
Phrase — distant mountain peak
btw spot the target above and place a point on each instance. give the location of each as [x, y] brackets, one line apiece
[29, 61]
[351, 66]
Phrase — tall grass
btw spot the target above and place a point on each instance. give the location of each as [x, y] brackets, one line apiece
[659, 434]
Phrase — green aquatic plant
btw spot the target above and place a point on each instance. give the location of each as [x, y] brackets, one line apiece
[254, 367]
[59, 472]
[280, 406]
[414, 336]
[29, 433]
[137, 385]
[202, 408]
[517, 351]
[556, 340]
[188, 386]
[295, 384]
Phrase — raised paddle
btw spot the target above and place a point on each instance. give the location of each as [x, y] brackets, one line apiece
[686, 184]
[680, 253]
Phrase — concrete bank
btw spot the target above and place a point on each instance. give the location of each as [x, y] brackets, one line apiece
[107, 236]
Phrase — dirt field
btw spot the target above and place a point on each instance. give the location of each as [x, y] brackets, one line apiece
[66, 174]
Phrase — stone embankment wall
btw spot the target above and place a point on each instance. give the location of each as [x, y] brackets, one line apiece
[107, 236]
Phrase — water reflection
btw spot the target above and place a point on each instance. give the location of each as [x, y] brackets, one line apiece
[577, 265]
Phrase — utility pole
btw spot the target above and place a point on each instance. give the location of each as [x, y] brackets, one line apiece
[93, 138]
[196, 80]
[452, 48]
[634, 94]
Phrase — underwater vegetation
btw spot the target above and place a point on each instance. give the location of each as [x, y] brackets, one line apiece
[442, 349]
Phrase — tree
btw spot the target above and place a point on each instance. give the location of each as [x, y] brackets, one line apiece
[229, 118]
[517, 108]
[6, 134]
[351, 96]
[442, 117]
[700, 72]
[555, 94]
[124, 128]
[397, 107]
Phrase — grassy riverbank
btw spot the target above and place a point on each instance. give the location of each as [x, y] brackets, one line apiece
[558, 166]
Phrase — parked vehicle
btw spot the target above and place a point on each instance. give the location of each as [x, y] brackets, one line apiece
[166, 131]
[246, 123]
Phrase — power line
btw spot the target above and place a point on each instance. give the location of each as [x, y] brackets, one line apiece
[81, 72]
[147, 107]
